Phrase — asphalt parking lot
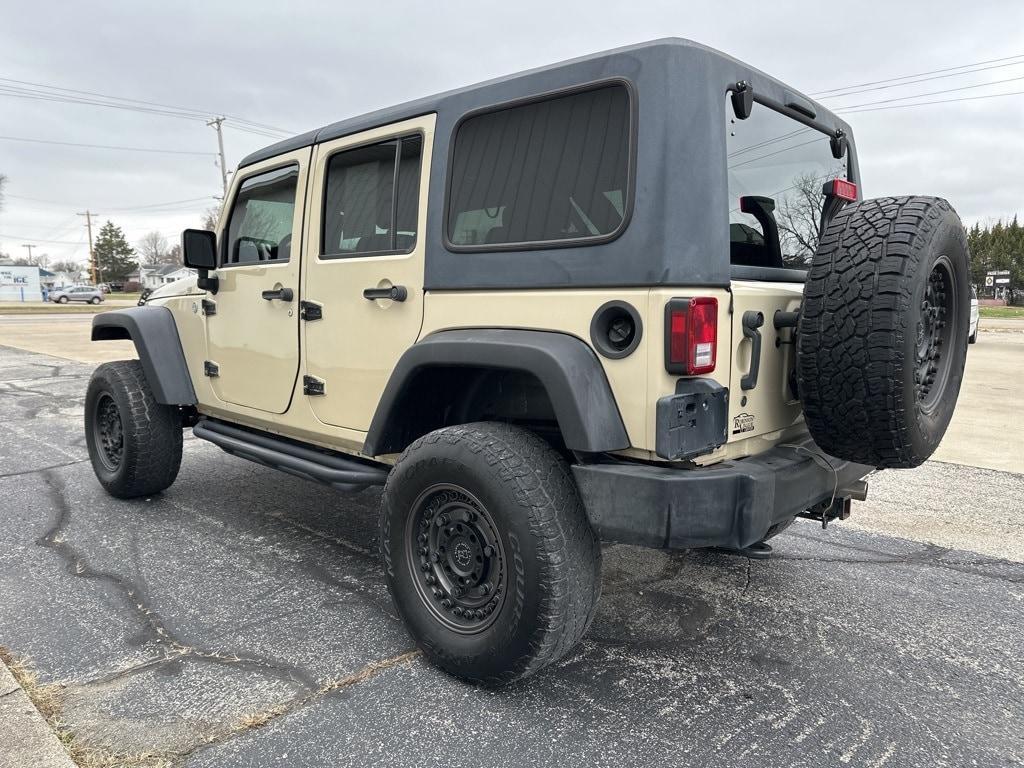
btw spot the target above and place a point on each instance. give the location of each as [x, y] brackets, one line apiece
[240, 619]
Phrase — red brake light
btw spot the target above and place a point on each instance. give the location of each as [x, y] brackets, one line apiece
[841, 188]
[691, 335]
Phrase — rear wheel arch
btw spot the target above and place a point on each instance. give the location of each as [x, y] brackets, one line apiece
[541, 379]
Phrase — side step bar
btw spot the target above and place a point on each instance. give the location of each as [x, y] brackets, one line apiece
[333, 469]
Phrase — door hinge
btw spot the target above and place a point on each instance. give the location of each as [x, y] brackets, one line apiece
[310, 310]
[311, 385]
[209, 307]
[210, 368]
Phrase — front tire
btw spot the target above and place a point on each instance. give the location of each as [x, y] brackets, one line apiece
[134, 442]
[488, 552]
[62, 300]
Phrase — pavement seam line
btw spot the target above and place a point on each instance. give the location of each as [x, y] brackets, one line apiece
[255, 720]
[33, 728]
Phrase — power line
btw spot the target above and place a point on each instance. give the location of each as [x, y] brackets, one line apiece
[930, 93]
[918, 74]
[197, 113]
[113, 208]
[108, 146]
[38, 240]
[922, 80]
[853, 111]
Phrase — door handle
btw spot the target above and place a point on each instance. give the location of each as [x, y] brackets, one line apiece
[751, 322]
[395, 293]
[281, 294]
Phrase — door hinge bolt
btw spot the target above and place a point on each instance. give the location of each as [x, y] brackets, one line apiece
[209, 307]
[310, 310]
[311, 385]
[210, 368]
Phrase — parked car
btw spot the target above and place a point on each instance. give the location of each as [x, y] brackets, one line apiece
[89, 293]
[548, 309]
[975, 317]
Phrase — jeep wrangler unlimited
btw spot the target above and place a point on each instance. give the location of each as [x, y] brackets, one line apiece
[635, 296]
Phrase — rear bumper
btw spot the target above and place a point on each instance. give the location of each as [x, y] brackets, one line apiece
[730, 504]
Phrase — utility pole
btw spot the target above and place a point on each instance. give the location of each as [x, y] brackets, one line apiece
[30, 247]
[216, 124]
[92, 256]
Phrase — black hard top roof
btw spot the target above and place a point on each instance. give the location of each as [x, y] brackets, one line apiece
[479, 95]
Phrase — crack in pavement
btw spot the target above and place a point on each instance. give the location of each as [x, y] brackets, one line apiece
[928, 556]
[173, 648]
[260, 719]
[43, 469]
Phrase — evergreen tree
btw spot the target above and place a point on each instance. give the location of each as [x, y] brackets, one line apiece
[115, 259]
[997, 246]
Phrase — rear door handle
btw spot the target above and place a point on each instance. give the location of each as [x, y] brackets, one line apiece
[281, 294]
[751, 322]
[395, 293]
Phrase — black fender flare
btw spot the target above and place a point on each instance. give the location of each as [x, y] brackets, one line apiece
[156, 340]
[566, 367]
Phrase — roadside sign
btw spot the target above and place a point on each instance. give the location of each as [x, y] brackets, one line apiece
[989, 280]
[1002, 281]
[998, 272]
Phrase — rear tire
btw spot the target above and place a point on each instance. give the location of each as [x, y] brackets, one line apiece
[882, 336]
[488, 552]
[134, 442]
[95, 300]
[973, 338]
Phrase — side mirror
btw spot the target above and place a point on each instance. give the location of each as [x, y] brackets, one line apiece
[199, 251]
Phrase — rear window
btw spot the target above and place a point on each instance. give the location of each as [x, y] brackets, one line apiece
[775, 157]
[550, 172]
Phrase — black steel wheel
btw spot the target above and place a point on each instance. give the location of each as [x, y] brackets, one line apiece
[108, 432]
[453, 545]
[488, 552]
[936, 327]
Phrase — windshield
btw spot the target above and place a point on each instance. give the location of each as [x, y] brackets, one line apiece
[785, 163]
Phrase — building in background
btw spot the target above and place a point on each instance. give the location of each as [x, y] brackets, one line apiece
[151, 278]
[18, 283]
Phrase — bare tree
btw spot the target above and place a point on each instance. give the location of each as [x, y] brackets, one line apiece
[211, 218]
[153, 249]
[798, 216]
[72, 268]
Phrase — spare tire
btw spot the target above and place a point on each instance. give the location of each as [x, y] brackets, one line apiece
[882, 335]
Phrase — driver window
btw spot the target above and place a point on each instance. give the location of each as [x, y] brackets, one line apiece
[260, 226]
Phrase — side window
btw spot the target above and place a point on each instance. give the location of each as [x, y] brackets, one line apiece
[371, 200]
[552, 171]
[260, 225]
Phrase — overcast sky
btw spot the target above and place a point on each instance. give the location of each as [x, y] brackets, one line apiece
[301, 65]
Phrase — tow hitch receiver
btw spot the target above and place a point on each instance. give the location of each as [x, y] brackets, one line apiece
[827, 511]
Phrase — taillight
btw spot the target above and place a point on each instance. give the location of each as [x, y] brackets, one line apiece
[841, 188]
[691, 335]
